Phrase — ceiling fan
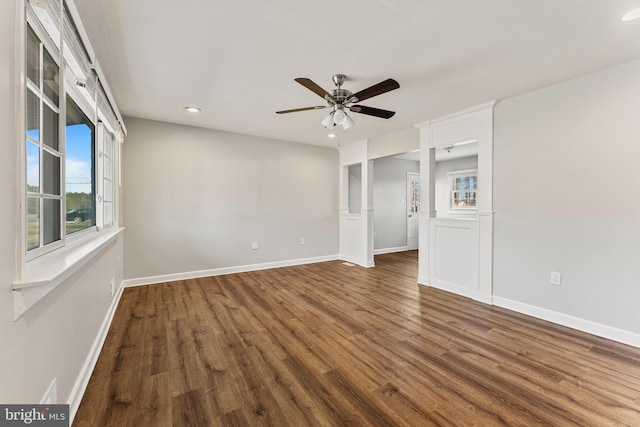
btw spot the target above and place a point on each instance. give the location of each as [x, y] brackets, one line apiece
[340, 100]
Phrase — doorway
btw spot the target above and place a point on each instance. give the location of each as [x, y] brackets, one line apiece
[396, 203]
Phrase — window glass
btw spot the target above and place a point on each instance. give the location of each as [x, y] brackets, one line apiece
[50, 85]
[464, 199]
[33, 167]
[79, 168]
[463, 189]
[33, 222]
[51, 221]
[33, 116]
[33, 55]
[50, 127]
[50, 173]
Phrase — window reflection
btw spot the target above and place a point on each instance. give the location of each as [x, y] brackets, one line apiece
[79, 170]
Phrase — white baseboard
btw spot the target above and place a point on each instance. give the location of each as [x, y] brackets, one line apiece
[588, 326]
[604, 331]
[140, 281]
[458, 290]
[79, 387]
[390, 250]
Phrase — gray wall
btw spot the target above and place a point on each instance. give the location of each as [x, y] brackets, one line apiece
[390, 201]
[196, 199]
[400, 142]
[566, 172]
[54, 337]
[355, 188]
[442, 182]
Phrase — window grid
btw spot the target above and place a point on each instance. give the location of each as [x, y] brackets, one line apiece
[44, 159]
[464, 186]
[56, 136]
[107, 189]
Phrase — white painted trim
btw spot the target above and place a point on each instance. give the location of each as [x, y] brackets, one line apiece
[458, 290]
[359, 144]
[150, 280]
[349, 258]
[583, 325]
[357, 262]
[474, 109]
[79, 387]
[390, 250]
[49, 271]
[588, 326]
[477, 296]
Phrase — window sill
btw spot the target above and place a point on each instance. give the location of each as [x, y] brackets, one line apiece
[44, 274]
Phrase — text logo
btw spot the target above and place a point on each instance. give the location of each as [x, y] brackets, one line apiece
[34, 415]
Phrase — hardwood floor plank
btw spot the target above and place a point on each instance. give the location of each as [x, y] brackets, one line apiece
[331, 345]
[190, 409]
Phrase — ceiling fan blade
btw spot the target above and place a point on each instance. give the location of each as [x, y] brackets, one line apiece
[375, 90]
[377, 112]
[313, 87]
[295, 110]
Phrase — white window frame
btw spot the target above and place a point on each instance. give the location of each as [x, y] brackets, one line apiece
[48, 45]
[105, 191]
[89, 106]
[40, 271]
[452, 179]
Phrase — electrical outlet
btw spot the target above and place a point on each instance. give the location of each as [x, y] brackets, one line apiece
[555, 278]
[254, 245]
[51, 395]
[302, 240]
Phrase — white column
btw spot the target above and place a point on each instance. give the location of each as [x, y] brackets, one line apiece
[356, 229]
[475, 123]
[427, 200]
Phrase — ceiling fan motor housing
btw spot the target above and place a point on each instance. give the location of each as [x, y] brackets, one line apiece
[339, 79]
[338, 96]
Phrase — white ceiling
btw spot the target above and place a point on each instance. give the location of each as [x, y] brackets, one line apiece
[237, 59]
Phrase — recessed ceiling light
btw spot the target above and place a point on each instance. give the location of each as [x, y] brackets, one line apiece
[630, 16]
[332, 135]
[193, 109]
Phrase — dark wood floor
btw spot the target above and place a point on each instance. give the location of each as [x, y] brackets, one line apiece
[332, 345]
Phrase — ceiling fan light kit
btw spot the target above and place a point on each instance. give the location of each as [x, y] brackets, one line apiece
[328, 121]
[338, 116]
[348, 122]
[341, 99]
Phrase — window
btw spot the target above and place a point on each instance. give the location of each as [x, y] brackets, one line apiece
[464, 186]
[79, 170]
[43, 150]
[66, 176]
[106, 171]
[69, 166]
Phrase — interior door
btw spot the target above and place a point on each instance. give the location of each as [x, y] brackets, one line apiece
[413, 209]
